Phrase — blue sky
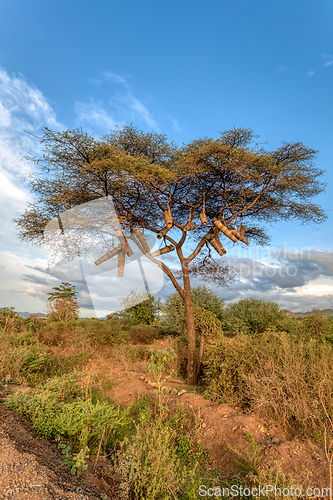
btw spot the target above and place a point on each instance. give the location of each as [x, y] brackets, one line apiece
[187, 69]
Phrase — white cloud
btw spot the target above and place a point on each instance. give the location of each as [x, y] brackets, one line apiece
[310, 73]
[93, 113]
[328, 59]
[23, 108]
[122, 107]
[114, 77]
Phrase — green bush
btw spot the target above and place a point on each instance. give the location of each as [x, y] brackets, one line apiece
[139, 308]
[202, 296]
[59, 408]
[151, 464]
[317, 324]
[252, 316]
[25, 362]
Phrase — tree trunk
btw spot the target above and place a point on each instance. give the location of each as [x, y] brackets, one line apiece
[192, 376]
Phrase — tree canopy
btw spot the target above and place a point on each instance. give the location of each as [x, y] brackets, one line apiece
[211, 187]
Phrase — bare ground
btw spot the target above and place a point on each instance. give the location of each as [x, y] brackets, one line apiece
[33, 468]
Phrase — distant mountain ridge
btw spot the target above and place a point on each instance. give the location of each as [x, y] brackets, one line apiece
[328, 312]
[26, 314]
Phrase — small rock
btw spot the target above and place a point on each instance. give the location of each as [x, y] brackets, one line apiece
[225, 416]
[142, 377]
[174, 391]
[204, 425]
[275, 440]
[146, 381]
[163, 389]
[180, 393]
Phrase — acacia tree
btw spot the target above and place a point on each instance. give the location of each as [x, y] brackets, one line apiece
[190, 196]
[62, 302]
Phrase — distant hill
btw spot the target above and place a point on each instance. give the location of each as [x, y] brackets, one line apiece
[328, 312]
[26, 314]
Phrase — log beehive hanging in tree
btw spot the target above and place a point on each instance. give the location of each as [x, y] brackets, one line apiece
[121, 263]
[142, 239]
[123, 241]
[203, 218]
[216, 244]
[239, 236]
[168, 217]
[161, 251]
[108, 255]
[242, 230]
[189, 226]
[163, 232]
[128, 249]
[223, 228]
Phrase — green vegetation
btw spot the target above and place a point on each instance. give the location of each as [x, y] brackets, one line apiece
[139, 308]
[255, 359]
[62, 302]
[190, 195]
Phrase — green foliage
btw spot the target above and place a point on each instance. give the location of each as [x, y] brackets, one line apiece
[151, 466]
[250, 457]
[63, 291]
[27, 362]
[204, 298]
[76, 462]
[60, 408]
[317, 324]
[158, 364]
[139, 309]
[251, 316]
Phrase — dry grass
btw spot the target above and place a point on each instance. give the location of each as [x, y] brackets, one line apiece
[276, 375]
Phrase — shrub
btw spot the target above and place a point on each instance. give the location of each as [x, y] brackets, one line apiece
[140, 308]
[62, 407]
[151, 467]
[275, 374]
[202, 296]
[25, 363]
[317, 324]
[251, 316]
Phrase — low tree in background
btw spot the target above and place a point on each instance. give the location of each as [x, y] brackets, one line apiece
[139, 308]
[62, 303]
[190, 196]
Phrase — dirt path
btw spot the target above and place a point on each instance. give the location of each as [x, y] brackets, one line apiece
[32, 468]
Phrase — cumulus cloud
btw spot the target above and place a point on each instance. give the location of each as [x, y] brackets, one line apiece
[297, 279]
[23, 108]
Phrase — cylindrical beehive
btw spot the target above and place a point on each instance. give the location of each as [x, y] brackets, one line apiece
[128, 249]
[108, 255]
[168, 217]
[121, 263]
[203, 218]
[215, 242]
[223, 228]
[123, 241]
[163, 232]
[142, 239]
[240, 236]
[161, 251]
[189, 226]
[242, 230]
